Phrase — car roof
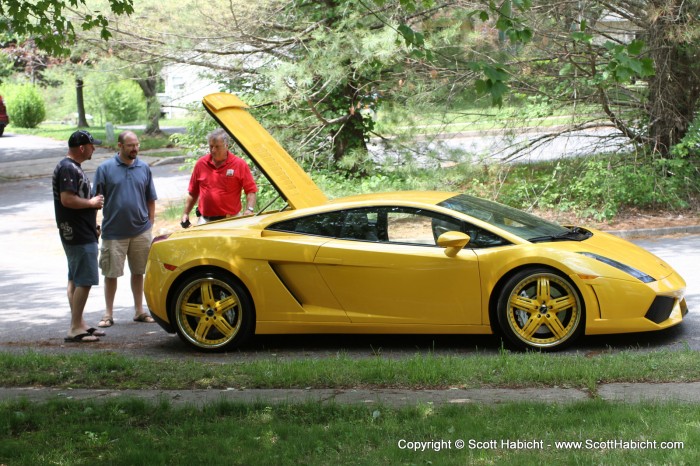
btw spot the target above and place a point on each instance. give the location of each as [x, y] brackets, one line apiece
[421, 197]
[285, 174]
[415, 199]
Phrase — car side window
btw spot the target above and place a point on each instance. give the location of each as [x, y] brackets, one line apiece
[416, 226]
[406, 227]
[421, 227]
[396, 225]
[360, 224]
[480, 238]
[326, 224]
[353, 224]
[402, 225]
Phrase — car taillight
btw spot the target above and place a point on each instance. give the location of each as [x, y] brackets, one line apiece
[160, 238]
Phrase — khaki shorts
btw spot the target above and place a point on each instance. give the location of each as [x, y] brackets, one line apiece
[114, 252]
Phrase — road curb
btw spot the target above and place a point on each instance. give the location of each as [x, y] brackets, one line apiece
[684, 230]
[18, 170]
[687, 392]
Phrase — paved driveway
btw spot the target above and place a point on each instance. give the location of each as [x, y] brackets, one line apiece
[34, 310]
[33, 278]
[15, 147]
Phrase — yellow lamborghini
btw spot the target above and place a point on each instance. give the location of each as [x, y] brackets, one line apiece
[402, 262]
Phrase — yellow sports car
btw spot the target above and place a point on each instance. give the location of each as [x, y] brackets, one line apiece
[403, 262]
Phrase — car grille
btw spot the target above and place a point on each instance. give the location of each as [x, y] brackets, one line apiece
[660, 309]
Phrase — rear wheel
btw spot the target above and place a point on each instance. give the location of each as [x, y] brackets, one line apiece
[541, 309]
[213, 311]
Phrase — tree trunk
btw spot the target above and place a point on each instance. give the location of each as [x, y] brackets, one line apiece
[149, 88]
[348, 137]
[82, 121]
[351, 134]
[675, 88]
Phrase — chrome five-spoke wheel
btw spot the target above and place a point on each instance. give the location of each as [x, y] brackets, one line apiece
[540, 309]
[213, 311]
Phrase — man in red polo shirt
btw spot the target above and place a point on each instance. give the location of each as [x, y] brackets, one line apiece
[217, 181]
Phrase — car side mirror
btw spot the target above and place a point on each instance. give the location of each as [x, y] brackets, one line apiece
[453, 242]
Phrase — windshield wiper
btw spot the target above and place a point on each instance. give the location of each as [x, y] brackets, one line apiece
[573, 234]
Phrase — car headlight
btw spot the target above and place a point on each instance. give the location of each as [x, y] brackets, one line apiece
[620, 266]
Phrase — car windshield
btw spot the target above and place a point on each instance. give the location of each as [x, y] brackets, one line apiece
[512, 220]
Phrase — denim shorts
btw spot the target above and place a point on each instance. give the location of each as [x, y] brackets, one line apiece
[82, 264]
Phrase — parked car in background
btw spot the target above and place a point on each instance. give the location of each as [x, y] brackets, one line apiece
[4, 119]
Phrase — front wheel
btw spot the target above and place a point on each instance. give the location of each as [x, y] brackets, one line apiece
[540, 309]
[213, 311]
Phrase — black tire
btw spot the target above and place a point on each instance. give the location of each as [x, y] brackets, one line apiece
[2, 130]
[212, 311]
[540, 309]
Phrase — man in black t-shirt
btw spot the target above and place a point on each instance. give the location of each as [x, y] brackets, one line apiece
[76, 218]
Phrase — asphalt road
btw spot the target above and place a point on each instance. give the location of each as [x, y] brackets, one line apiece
[15, 147]
[518, 146]
[34, 312]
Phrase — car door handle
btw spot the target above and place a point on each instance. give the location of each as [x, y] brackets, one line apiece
[329, 260]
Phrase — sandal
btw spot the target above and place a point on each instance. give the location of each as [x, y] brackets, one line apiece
[106, 322]
[82, 338]
[97, 333]
[144, 318]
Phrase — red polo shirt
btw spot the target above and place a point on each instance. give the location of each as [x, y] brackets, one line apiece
[219, 189]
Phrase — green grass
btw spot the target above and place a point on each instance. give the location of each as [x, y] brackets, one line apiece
[108, 370]
[172, 210]
[176, 121]
[132, 432]
[62, 133]
[127, 431]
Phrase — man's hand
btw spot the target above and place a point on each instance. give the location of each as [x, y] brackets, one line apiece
[97, 202]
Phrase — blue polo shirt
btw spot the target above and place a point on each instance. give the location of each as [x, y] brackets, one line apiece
[127, 190]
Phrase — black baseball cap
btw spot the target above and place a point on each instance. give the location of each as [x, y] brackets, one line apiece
[82, 137]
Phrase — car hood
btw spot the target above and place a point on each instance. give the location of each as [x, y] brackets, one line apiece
[285, 174]
[621, 250]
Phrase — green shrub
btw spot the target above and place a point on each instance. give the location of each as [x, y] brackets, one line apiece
[690, 144]
[25, 106]
[599, 186]
[124, 102]
[6, 65]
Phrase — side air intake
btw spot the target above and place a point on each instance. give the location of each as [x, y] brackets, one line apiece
[660, 309]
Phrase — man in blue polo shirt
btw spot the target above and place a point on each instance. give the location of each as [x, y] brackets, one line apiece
[128, 214]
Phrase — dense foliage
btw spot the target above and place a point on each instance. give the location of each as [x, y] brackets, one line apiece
[51, 23]
[331, 78]
[25, 105]
[328, 67]
[123, 102]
